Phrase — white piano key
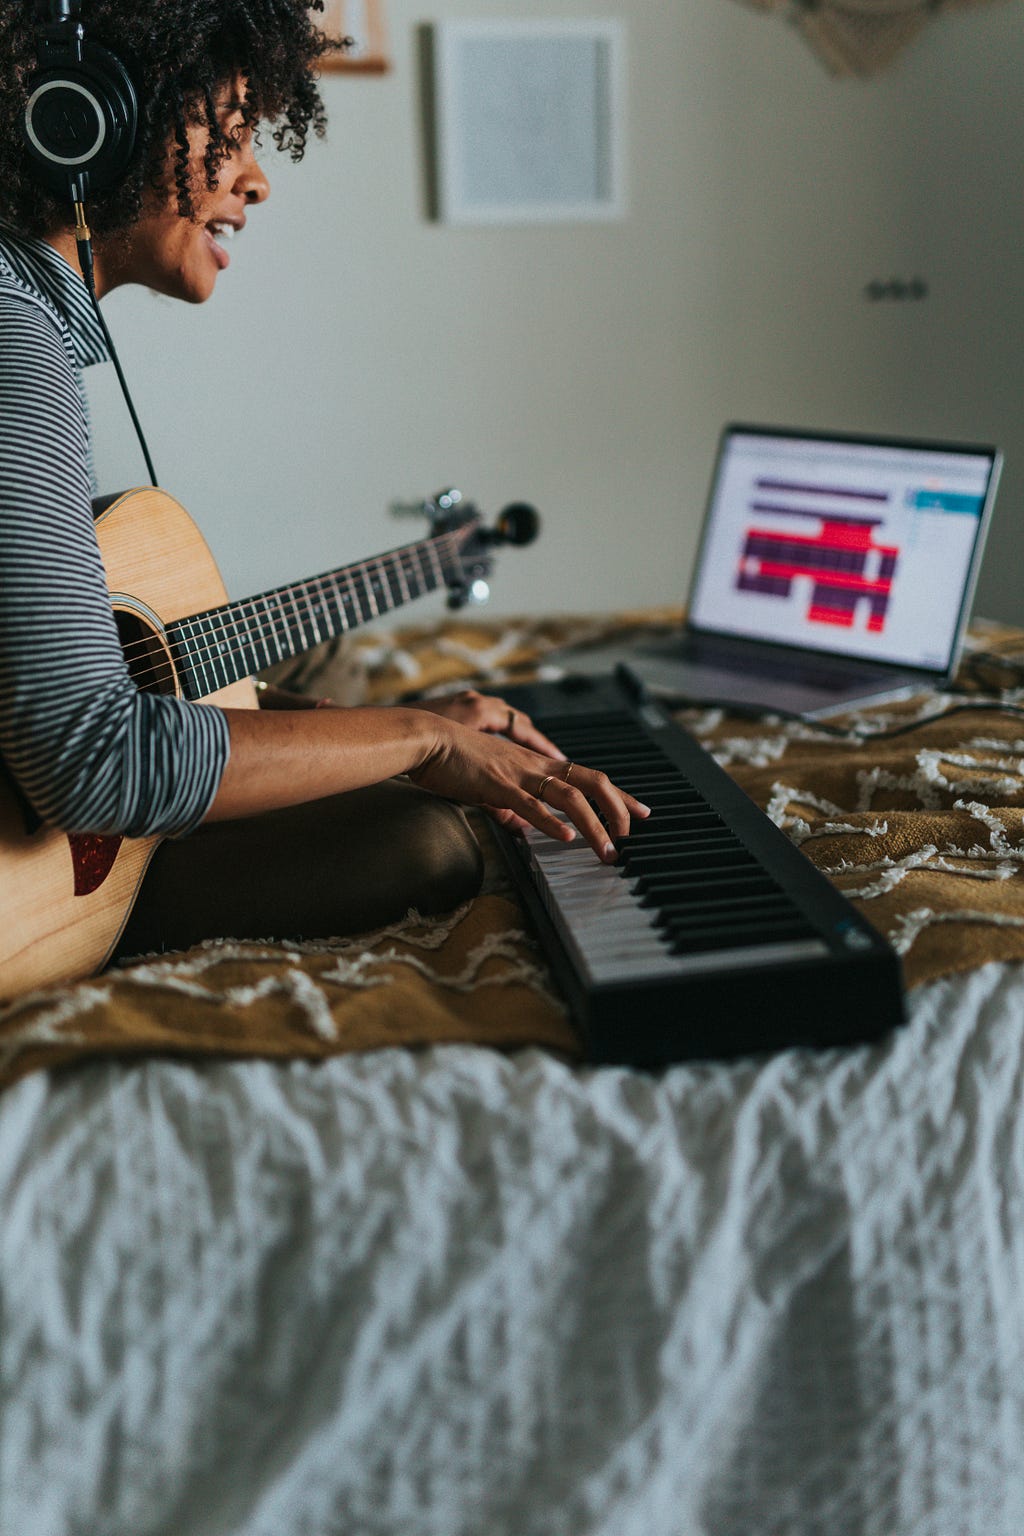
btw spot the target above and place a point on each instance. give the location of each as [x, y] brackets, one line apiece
[613, 938]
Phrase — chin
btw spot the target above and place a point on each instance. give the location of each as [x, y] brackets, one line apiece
[191, 287]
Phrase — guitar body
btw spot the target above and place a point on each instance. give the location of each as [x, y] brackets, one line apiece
[66, 898]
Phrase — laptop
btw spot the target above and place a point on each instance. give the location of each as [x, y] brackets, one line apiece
[833, 571]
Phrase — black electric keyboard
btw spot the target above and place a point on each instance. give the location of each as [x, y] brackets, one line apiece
[713, 936]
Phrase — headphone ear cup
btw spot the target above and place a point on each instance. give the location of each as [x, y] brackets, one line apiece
[81, 121]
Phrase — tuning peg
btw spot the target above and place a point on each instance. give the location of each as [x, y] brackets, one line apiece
[477, 591]
[431, 506]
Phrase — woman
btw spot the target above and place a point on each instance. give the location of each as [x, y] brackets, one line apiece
[284, 821]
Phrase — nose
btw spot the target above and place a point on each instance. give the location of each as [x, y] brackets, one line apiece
[251, 180]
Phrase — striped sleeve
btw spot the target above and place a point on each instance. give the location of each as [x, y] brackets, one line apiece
[89, 750]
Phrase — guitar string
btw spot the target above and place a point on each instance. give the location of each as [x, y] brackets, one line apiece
[207, 658]
[292, 627]
[311, 586]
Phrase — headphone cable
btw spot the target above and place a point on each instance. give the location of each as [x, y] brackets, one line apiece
[83, 240]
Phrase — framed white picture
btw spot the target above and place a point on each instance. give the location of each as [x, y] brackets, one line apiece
[529, 120]
[362, 22]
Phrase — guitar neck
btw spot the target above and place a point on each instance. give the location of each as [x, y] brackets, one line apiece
[222, 645]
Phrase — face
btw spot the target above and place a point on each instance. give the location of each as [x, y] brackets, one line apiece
[175, 256]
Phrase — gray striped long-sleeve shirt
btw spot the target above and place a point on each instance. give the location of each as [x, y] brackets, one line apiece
[90, 751]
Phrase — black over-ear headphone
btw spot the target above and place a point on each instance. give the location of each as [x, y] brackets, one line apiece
[81, 119]
[80, 126]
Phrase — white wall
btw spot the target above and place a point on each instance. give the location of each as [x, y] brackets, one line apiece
[355, 352]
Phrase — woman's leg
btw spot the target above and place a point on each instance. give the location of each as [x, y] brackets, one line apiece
[334, 866]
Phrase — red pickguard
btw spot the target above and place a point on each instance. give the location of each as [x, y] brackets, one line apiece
[92, 859]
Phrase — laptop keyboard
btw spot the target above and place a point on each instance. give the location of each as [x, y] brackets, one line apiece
[829, 676]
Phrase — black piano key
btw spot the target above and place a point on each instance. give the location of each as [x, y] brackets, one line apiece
[740, 936]
[678, 805]
[636, 783]
[681, 835]
[593, 748]
[658, 890]
[763, 917]
[706, 853]
[738, 900]
[633, 854]
[663, 799]
[672, 821]
[693, 864]
[626, 775]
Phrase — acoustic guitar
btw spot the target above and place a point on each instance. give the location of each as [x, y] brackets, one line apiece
[65, 897]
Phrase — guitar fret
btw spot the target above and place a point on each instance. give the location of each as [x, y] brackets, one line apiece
[322, 606]
[378, 586]
[402, 584]
[295, 626]
[255, 641]
[186, 664]
[374, 610]
[223, 636]
[217, 648]
[383, 575]
[285, 621]
[207, 682]
[209, 674]
[413, 581]
[328, 599]
[339, 603]
[270, 656]
[439, 573]
[424, 581]
[317, 637]
[352, 607]
[252, 644]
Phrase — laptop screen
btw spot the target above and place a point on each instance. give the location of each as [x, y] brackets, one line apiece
[861, 547]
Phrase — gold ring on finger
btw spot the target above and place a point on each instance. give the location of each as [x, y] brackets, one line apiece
[543, 785]
[568, 771]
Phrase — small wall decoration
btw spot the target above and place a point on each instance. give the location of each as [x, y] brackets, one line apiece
[363, 22]
[528, 120]
[859, 37]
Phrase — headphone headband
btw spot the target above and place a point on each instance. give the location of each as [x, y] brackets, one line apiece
[81, 118]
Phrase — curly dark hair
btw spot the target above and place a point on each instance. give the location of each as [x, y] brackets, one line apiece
[180, 54]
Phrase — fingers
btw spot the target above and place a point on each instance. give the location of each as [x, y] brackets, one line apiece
[573, 797]
[486, 712]
[536, 816]
[519, 727]
[521, 787]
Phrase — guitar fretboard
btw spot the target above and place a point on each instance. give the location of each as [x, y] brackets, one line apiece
[222, 645]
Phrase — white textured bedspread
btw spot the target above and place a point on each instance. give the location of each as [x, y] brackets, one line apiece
[428, 1295]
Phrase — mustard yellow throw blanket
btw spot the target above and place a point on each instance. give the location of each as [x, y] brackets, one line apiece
[924, 830]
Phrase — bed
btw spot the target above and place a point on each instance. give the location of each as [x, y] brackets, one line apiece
[344, 1237]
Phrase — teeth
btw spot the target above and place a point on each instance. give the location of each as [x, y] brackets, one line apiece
[221, 231]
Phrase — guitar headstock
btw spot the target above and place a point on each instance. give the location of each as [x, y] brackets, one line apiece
[469, 541]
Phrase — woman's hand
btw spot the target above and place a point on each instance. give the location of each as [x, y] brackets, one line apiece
[521, 787]
[483, 712]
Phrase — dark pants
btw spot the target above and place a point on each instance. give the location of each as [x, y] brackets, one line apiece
[332, 867]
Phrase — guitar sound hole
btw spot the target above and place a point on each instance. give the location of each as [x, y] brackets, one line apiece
[146, 655]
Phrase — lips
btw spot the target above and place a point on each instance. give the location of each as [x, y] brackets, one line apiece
[218, 231]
